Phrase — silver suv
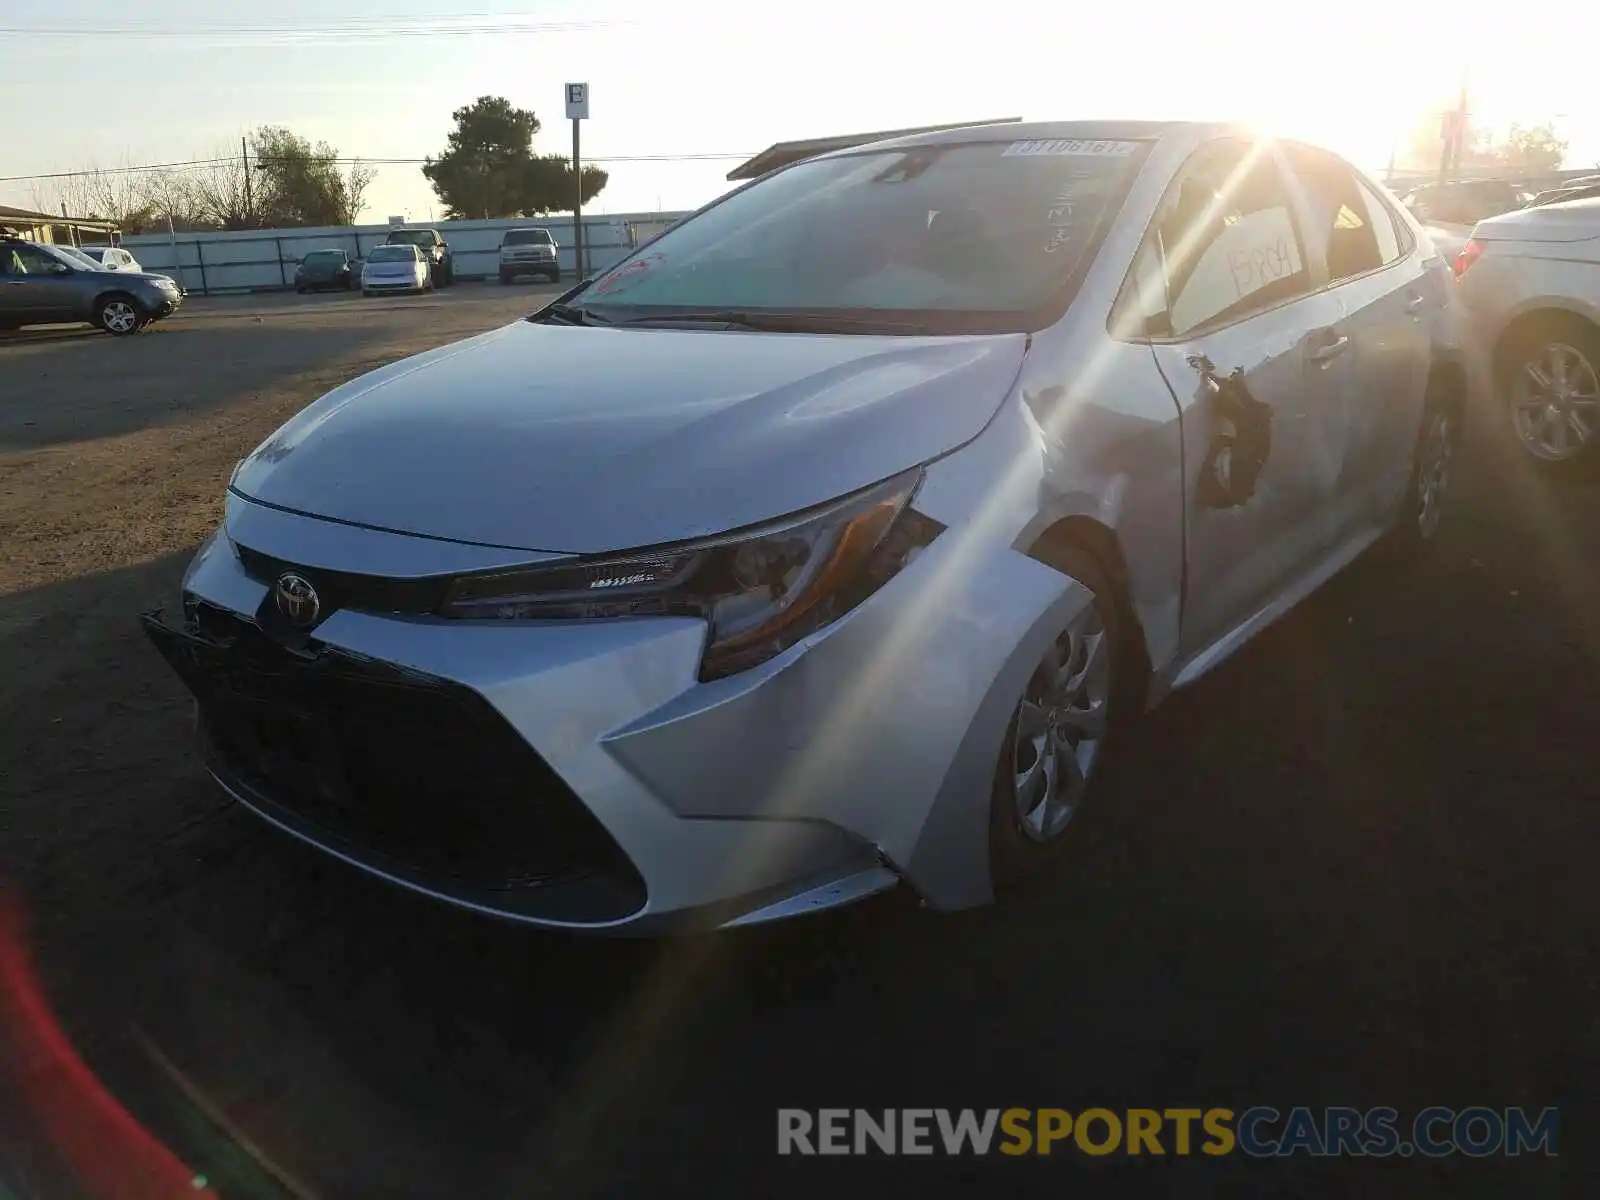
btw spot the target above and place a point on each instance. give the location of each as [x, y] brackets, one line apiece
[529, 252]
[41, 284]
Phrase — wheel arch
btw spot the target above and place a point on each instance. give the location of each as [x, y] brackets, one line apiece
[1448, 384]
[1542, 314]
[115, 293]
[1099, 539]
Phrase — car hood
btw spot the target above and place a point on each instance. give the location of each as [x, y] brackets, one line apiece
[1572, 221]
[586, 440]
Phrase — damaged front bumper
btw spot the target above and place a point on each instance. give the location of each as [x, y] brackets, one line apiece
[579, 775]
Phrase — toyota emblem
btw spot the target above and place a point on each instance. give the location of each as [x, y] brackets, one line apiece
[297, 600]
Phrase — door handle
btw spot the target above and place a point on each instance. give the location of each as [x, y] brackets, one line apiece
[1415, 304]
[1332, 350]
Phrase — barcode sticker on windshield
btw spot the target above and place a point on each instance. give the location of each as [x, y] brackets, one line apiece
[1075, 147]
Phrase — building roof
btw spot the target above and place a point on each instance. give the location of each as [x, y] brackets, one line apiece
[781, 154]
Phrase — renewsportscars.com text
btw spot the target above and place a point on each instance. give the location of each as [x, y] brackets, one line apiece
[1259, 1132]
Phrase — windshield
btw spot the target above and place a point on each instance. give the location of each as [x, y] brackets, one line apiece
[411, 237]
[323, 257]
[527, 237]
[967, 236]
[86, 257]
[393, 254]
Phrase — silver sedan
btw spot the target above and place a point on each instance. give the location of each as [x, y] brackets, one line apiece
[826, 543]
[1531, 282]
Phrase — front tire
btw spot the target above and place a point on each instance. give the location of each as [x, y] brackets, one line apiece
[1072, 709]
[118, 315]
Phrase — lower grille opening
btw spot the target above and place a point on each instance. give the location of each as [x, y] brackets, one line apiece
[413, 774]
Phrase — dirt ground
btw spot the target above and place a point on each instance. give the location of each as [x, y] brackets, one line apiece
[1354, 866]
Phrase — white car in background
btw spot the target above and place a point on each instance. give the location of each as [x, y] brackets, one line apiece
[113, 258]
[395, 269]
[1531, 282]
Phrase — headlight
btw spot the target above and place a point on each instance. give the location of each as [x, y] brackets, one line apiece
[760, 591]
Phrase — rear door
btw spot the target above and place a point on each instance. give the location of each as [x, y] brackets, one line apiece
[1390, 303]
[1246, 337]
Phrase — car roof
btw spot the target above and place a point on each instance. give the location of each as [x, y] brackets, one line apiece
[1026, 131]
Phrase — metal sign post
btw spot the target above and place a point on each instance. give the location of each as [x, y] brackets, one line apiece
[578, 111]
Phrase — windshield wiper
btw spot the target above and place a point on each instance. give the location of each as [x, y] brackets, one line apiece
[780, 322]
[566, 314]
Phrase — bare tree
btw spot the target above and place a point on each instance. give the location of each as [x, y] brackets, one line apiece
[221, 193]
[175, 197]
[115, 195]
[356, 182]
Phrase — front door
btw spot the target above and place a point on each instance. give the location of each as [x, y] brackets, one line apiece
[1249, 343]
[35, 287]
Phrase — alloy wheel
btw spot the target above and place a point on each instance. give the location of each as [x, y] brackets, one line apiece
[1061, 726]
[119, 316]
[1555, 402]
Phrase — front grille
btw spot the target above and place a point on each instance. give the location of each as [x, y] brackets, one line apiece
[341, 589]
[414, 774]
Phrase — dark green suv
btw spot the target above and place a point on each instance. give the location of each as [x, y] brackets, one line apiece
[42, 284]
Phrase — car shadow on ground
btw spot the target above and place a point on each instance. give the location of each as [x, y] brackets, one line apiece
[82, 385]
[42, 335]
[1345, 868]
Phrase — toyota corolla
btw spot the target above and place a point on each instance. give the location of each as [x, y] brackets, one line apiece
[824, 545]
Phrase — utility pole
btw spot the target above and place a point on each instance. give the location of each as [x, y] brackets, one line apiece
[578, 110]
[249, 197]
[1455, 136]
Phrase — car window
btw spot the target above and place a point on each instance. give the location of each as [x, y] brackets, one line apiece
[963, 237]
[1384, 226]
[1226, 240]
[527, 237]
[1355, 240]
[31, 260]
[394, 254]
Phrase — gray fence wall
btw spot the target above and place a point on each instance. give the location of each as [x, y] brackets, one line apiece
[265, 259]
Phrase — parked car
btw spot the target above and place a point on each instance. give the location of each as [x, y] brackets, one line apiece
[1463, 201]
[528, 252]
[1582, 191]
[435, 250]
[86, 260]
[830, 541]
[114, 258]
[395, 269]
[42, 284]
[321, 269]
[1531, 284]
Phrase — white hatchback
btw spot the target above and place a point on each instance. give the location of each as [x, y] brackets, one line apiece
[395, 269]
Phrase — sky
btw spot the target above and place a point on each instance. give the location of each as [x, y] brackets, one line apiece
[167, 80]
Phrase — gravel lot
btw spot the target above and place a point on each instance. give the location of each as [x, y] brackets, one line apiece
[1354, 866]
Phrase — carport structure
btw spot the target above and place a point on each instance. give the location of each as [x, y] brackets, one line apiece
[56, 229]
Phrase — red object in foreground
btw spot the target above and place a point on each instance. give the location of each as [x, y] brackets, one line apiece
[102, 1145]
[1470, 253]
